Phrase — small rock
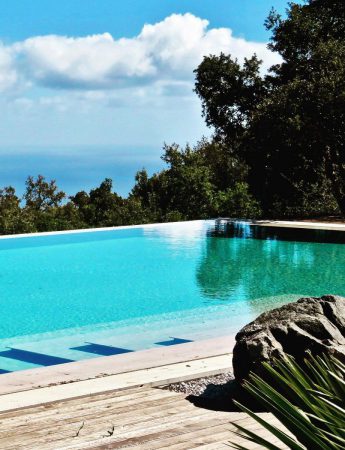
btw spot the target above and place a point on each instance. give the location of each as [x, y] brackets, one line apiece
[199, 386]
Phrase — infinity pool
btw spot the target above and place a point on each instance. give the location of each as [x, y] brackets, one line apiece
[73, 296]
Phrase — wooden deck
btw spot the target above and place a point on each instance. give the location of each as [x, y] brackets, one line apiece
[145, 418]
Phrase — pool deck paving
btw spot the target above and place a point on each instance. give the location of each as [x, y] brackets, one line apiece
[49, 409]
[141, 418]
[128, 409]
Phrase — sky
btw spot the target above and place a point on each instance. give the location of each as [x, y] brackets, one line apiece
[21, 19]
[115, 72]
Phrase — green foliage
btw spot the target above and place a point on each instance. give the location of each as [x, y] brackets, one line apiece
[101, 207]
[286, 126]
[226, 169]
[313, 200]
[309, 402]
[238, 202]
[9, 211]
[200, 182]
[229, 93]
[188, 186]
[41, 195]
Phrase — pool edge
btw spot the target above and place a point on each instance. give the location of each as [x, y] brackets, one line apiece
[276, 223]
[88, 369]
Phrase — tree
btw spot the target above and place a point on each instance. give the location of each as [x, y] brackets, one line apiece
[184, 190]
[237, 202]
[230, 93]
[148, 191]
[101, 207]
[200, 182]
[288, 126]
[189, 188]
[43, 206]
[226, 169]
[41, 195]
[9, 210]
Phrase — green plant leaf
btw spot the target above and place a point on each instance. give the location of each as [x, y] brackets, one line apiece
[287, 440]
[247, 434]
[311, 407]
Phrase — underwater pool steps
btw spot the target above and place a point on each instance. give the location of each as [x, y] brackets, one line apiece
[42, 359]
[101, 349]
[33, 357]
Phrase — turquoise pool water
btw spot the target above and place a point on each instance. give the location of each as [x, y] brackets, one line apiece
[73, 296]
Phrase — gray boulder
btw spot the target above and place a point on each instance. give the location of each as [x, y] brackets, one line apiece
[315, 324]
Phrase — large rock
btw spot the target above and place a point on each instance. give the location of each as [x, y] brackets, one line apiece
[315, 324]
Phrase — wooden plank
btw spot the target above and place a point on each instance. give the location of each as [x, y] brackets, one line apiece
[209, 428]
[124, 416]
[219, 433]
[97, 430]
[84, 406]
[137, 431]
[145, 419]
[216, 446]
[105, 408]
[209, 436]
[161, 436]
[154, 431]
[50, 409]
[165, 401]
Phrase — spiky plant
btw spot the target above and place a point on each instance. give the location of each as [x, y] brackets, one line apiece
[309, 402]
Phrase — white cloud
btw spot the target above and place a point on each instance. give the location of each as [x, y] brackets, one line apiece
[90, 62]
[8, 74]
[179, 43]
[147, 79]
[163, 53]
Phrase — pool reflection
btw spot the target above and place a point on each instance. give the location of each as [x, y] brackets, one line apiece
[242, 262]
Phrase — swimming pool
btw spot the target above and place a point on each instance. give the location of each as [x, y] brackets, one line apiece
[72, 296]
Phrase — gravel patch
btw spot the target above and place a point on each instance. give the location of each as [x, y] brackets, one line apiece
[207, 387]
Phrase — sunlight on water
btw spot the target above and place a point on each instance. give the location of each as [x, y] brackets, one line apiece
[132, 288]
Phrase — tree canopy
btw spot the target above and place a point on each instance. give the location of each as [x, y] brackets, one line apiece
[288, 125]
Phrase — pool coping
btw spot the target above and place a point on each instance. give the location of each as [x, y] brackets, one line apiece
[274, 223]
[143, 378]
[105, 366]
[329, 226]
[91, 230]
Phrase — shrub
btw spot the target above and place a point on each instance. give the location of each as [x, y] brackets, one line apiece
[308, 401]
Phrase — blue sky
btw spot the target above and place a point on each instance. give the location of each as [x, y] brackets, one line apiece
[110, 72]
[21, 19]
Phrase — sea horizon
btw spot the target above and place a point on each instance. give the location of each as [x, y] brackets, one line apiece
[78, 168]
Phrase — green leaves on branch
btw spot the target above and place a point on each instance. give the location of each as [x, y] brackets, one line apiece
[287, 125]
